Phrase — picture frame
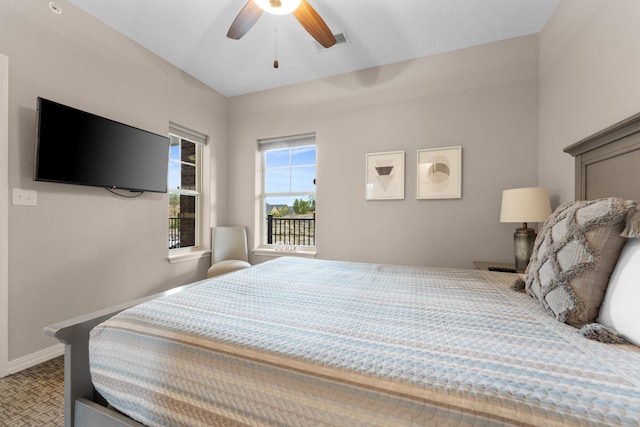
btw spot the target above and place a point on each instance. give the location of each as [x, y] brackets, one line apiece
[385, 175]
[439, 173]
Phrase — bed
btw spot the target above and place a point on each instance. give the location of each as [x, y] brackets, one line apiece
[316, 342]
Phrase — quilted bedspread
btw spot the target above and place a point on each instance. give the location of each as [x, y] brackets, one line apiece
[299, 342]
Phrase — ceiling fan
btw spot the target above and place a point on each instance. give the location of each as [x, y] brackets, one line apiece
[301, 9]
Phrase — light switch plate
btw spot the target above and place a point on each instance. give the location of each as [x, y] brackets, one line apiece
[24, 197]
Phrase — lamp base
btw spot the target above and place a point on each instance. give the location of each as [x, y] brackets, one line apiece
[523, 240]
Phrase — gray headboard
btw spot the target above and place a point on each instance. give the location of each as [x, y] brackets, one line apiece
[608, 162]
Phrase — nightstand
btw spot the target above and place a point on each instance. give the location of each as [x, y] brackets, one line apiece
[484, 265]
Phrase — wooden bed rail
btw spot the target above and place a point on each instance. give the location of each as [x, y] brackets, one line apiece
[74, 334]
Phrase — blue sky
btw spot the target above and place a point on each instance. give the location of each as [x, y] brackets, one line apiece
[287, 171]
[174, 167]
[290, 170]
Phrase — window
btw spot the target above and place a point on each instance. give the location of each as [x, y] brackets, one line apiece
[288, 191]
[184, 182]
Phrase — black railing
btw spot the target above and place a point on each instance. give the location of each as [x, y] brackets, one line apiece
[174, 233]
[291, 230]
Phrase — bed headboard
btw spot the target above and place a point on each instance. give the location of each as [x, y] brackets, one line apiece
[608, 162]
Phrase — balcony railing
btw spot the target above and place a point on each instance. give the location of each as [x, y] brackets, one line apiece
[174, 233]
[291, 230]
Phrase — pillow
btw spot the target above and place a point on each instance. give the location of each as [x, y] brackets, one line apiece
[632, 228]
[620, 308]
[574, 255]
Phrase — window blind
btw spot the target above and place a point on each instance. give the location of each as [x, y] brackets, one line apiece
[186, 133]
[288, 142]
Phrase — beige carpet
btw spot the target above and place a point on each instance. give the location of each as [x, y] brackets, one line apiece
[33, 397]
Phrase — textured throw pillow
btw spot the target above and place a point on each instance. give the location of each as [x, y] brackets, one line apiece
[573, 257]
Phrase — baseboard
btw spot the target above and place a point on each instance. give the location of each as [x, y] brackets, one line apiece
[36, 358]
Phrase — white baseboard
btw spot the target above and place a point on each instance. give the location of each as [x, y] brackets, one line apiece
[36, 358]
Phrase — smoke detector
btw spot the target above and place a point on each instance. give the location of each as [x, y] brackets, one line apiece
[55, 7]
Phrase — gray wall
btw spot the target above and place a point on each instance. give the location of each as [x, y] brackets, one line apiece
[82, 248]
[589, 80]
[484, 99]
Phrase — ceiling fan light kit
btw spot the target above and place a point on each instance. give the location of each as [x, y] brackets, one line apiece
[301, 9]
[278, 7]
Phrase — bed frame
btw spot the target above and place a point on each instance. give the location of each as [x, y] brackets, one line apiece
[607, 162]
[606, 165]
[83, 406]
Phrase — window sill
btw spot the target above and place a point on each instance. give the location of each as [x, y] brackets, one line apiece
[188, 255]
[274, 253]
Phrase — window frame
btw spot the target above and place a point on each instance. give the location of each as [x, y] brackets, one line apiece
[265, 145]
[199, 140]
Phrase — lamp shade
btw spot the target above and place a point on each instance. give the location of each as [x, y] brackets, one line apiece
[278, 7]
[525, 205]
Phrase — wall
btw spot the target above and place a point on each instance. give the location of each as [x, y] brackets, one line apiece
[82, 248]
[483, 98]
[589, 71]
[73, 253]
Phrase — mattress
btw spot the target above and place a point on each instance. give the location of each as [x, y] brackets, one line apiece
[300, 342]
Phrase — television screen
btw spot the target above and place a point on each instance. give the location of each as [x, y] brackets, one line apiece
[76, 147]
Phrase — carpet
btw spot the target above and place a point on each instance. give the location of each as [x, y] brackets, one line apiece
[34, 397]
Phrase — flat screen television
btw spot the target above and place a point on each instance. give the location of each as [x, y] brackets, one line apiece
[77, 147]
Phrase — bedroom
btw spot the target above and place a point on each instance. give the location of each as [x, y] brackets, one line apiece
[558, 91]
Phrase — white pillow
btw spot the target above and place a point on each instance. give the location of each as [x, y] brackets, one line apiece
[620, 308]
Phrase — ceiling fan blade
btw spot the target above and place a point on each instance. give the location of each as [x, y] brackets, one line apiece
[245, 20]
[314, 24]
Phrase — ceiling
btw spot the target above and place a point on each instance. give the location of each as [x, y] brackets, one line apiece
[191, 34]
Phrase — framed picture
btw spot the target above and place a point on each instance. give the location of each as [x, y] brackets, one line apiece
[440, 173]
[385, 176]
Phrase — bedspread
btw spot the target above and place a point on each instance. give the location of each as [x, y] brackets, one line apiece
[311, 342]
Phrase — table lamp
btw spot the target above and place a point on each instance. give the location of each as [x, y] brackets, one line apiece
[524, 205]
